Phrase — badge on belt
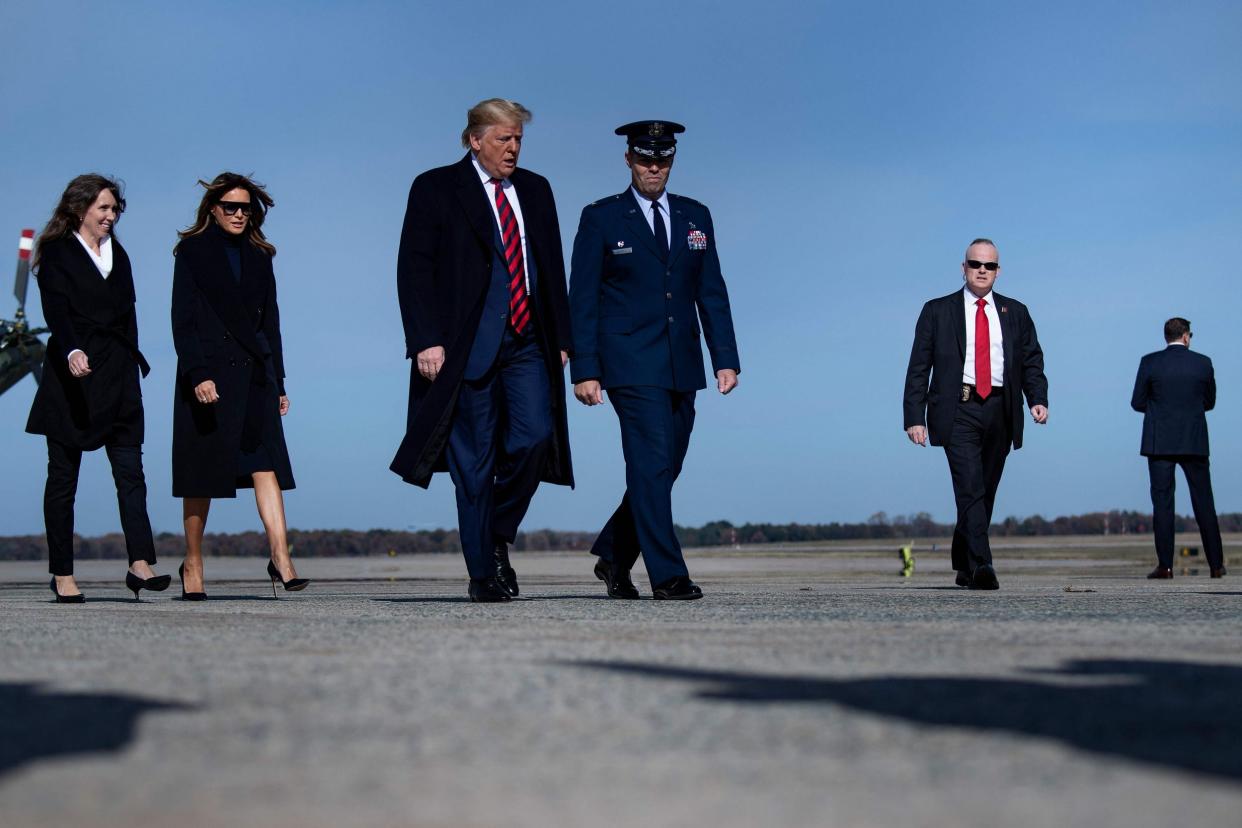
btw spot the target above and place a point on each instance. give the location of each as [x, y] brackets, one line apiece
[965, 393]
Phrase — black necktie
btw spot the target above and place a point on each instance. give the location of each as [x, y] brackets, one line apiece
[660, 233]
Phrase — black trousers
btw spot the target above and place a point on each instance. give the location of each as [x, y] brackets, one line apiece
[63, 463]
[1199, 478]
[976, 452]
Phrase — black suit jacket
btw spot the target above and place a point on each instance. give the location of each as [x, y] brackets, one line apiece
[1173, 389]
[444, 268]
[95, 315]
[939, 354]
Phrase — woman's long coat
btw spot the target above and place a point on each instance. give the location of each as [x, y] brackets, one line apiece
[95, 315]
[228, 333]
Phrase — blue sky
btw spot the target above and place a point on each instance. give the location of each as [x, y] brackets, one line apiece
[848, 152]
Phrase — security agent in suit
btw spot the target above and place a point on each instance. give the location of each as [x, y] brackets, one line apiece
[481, 282]
[980, 363]
[644, 273]
[1174, 388]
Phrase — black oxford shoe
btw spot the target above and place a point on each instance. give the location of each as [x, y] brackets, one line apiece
[616, 579]
[1219, 572]
[677, 589]
[1160, 573]
[487, 591]
[504, 573]
[984, 577]
[963, 578]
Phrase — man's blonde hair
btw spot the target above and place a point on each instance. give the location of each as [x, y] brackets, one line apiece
[491, 112]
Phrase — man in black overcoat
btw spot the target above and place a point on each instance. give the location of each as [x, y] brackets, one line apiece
[1174, 389]
[980, 362]
[481, 282]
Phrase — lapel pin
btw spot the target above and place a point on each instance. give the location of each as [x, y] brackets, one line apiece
[620, 244]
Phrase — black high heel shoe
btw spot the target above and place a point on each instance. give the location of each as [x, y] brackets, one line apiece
[189, 596]
[157, 584]
[67, 599]
[291, 585]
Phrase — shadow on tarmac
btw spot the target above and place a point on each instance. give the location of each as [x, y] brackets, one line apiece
[1177, 715]
[41, 724]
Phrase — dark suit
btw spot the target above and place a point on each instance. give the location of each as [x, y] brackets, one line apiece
[95, 315]
[495, 415]
[976, 434]
[226, 329]
[636, 330]
[1174, 388]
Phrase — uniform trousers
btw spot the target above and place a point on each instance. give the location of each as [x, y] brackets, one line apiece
[976, 451]
[1199, 480]
[63, 464]
[655, 435]
[497, 448]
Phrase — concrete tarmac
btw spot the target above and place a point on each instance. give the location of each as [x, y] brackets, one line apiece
[804, 690]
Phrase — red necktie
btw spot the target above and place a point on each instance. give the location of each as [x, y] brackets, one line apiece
[983, 352]
[519, 307]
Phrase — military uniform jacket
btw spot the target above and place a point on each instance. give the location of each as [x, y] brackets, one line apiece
[636, 319]
[95, 315]
[1173, 389]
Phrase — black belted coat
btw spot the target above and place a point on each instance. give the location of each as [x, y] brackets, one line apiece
[228, 333]
[95, 315]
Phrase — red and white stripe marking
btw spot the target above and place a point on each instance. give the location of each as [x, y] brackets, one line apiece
[26, 244]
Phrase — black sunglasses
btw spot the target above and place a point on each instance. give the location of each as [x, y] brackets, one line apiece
[974, 265]
[231, 207]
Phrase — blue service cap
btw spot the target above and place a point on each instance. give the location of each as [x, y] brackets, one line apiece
[651, 139]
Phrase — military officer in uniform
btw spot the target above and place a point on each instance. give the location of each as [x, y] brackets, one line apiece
[644, 276]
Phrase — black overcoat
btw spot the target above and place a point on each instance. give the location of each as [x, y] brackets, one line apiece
[228, 333]
[939, 352]
[95, 315]
[444, 268]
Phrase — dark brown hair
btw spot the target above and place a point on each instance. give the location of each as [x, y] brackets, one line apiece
[74, 202]
[260, 203]
[1176, 328]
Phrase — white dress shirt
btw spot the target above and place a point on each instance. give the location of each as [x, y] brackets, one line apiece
[512, 197]
[994, 339]
[102, 260]
[649, 213]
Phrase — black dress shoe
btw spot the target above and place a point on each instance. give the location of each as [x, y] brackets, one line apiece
[504, 573]
[487, 591]
[1160, 573]
[984, 577]
[291, 585]
[189, 596]
[677, 589]
[158, 583]
[963, 578]
[1219, 572]
[616, 579]
[67, 599]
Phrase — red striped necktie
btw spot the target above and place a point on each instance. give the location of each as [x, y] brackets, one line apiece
[983, 351]
[519, 306]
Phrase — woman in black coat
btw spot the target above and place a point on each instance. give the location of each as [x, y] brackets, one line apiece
[90, 396]
[230, 392]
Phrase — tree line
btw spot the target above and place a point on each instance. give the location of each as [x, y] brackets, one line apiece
[346, 543]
